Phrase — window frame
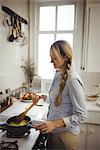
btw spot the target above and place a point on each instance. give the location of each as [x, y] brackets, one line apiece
[78, 29]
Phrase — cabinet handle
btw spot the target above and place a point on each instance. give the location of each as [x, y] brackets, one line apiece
[86, 39]
[91, 131]
[82, 68]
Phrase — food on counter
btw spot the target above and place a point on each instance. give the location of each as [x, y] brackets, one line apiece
[92, 97]
[27, 96]
[30, 96]
[22, 123]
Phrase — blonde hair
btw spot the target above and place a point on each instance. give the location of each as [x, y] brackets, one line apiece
[63, 48]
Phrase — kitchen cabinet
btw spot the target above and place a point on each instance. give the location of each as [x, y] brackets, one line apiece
[91, 44]
[90, 130]
[89, 137]
[93, 136]
[83, 137]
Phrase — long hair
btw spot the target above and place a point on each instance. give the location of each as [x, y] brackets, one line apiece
[63, 48]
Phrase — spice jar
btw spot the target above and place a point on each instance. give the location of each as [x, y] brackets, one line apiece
[1, 97]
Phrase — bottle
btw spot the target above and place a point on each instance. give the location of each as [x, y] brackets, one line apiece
[1, 97]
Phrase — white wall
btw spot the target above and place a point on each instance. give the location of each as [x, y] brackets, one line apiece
[12, 53]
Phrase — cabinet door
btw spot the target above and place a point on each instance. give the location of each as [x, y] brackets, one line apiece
[82, 138]
[93, 137]
[92, 38]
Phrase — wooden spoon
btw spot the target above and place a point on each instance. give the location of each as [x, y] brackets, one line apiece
[21, 116]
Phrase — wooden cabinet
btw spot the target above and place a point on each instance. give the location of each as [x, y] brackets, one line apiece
[93, 137]
[89, 137]
[91, 48]
[83, 138]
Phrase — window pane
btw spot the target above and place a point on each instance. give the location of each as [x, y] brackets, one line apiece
[45, 68]
[47, 18]
[65, 17]
[66, 36]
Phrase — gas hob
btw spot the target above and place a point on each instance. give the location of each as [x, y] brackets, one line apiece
[25, 142]
[8, 145]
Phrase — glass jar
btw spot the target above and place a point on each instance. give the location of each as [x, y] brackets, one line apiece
[1, 97]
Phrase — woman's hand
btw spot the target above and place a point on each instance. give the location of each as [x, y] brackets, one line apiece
[47, 127]
[44, 97]
[35, 99]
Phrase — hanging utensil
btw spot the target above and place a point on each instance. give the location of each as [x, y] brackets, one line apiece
[8, 20]
[19, 27]
[11, 36]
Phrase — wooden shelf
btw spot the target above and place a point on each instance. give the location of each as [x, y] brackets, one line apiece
[5, 107]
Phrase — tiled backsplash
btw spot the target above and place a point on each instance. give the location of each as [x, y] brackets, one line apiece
[91, 82]
[11, 53]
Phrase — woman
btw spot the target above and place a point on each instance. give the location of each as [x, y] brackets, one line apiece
[67, 107]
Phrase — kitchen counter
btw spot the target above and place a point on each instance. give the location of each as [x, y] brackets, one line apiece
[24, 143]
[93, 108]
[36, 113]
[39, 113]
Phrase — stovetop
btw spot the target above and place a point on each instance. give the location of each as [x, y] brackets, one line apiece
[12, 143]
[8, 145]
[26, 142]
[40, 142]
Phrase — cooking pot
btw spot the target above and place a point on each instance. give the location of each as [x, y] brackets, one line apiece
[18, 130]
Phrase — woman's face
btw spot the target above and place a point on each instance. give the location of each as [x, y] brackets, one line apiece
[56, 58]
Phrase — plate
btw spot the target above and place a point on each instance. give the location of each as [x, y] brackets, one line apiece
[89, 98]
[26, 101]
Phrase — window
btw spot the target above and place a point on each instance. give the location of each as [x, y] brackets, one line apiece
[55, 22]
